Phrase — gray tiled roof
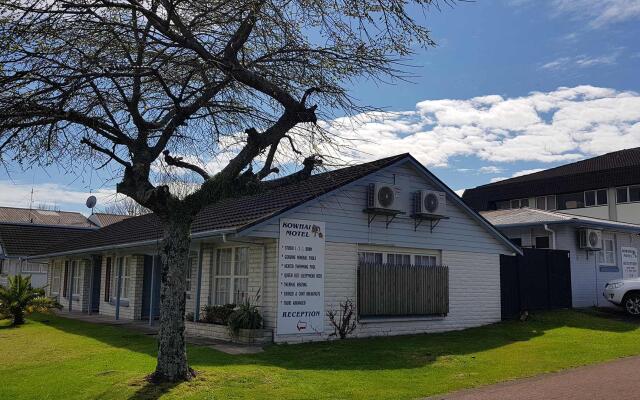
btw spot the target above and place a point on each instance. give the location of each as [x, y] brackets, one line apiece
[43, 217]
[234, 213]
[532, 216]
[27, 240]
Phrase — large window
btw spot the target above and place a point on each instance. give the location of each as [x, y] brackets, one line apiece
[33, 268]
[56, 277]
[405, 285]
[395, 258]
[628, 194]
[75, 278]
[608, 253]
[192, 265]
[231, 280]
[122, 266]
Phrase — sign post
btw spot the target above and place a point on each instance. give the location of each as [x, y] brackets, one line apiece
[629, 262]
[301, 277]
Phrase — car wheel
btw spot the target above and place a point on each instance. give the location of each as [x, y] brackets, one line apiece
[632, 304]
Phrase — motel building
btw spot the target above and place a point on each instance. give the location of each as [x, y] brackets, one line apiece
[387, 235]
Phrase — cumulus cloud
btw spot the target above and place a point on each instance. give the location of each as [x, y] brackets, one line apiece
[490, 169]
[562, 125]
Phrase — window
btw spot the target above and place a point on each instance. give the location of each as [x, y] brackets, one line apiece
[1, 265]
[231, 282]
[123, 267]
[622, 195]
[429, 261]
[370, 257]
[56, 275]
[395, 258]
[546, 202]
[516, 241]
[65, 287]
[595, 197]
[608, 253]
[107, 280]
[542, 242]
[75, 278]
[398, 259]
[503, 205]
[192, 264]
[634, 193]
[570, 201]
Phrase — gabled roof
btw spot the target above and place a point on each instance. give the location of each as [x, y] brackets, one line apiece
[15, 215]
[105, 219]
[612, 169]
[532, 216]
[20, 240]
[237, 214]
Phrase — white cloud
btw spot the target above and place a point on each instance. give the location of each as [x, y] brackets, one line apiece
[581, 61]
[459, 192]
[498, 179]
[599, 12]
[50, 194]
[490, 169]
[563, 125]
[527, 172]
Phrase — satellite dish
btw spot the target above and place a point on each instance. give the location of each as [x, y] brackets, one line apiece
[91, 201]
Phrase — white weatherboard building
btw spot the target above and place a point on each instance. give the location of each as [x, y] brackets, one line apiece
[599, 250]
[388, 235]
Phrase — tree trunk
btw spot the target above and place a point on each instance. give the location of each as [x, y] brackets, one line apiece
[172, 352]
[18, 316]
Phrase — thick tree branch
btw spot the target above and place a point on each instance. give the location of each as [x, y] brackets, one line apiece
[103, 150]
[177, 162]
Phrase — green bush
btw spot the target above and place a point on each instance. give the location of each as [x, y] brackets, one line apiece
[19, 299]
[213, 314]
[246, 316]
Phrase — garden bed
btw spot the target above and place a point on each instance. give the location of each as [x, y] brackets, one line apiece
[221, 332]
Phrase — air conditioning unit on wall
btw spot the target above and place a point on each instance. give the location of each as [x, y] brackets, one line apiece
[429, 202]
[382, 196]
[590, 239]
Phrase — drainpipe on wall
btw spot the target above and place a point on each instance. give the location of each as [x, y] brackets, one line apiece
[553, 236]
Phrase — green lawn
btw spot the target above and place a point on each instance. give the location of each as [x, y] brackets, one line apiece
[52, 357]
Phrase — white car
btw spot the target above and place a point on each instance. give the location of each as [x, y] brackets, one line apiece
[625, 293]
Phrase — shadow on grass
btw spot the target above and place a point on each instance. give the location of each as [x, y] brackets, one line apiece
[381, 353]
[151, 391]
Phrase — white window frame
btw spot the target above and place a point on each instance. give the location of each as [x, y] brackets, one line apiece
[56, 275]
[412, 255]
[595, 197]
[125, 287]
[546, 202]
[608, 257]
[192, 262]
[231, 297]
[76, 277]
[628, 190]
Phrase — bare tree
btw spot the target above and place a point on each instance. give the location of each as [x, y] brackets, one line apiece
[184, 82]
[125, 206]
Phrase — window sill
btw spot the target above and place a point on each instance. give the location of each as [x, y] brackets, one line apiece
[374, 320]
[123, 302]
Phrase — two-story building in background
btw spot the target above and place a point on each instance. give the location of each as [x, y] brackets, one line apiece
[604, 187]
[590, 208]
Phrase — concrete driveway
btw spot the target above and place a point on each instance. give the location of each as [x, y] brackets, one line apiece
[615, 380]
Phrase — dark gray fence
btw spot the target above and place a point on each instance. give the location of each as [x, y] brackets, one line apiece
[401, 290]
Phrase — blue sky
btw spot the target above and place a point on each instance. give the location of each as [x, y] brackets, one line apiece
[513, 86]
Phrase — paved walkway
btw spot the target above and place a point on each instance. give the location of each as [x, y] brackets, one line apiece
[152, 330]
[615, 380]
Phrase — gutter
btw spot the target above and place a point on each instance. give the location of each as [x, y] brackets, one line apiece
[128, 245]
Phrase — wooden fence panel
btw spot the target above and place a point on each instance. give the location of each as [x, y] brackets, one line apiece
[400, 290]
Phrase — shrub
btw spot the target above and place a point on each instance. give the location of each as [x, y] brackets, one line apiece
[19, 299]
[189, 316]
[217, 314]
[245, 316]
[342, 320]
